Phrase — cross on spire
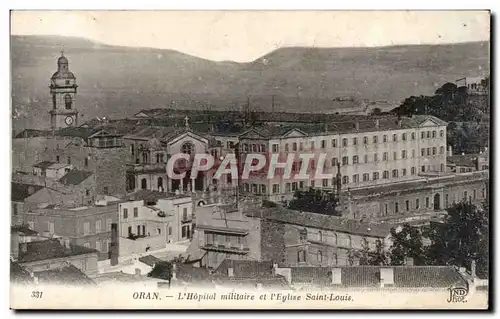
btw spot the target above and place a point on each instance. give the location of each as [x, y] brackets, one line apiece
[62, 50]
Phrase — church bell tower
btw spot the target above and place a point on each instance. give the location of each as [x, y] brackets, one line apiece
[63, 90]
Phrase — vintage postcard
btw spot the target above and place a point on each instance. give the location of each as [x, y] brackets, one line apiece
[250, 159]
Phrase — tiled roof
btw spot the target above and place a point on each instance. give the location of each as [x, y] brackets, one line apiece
[188, 273]
[50, 249]
[273, 281]
[112, 277]
[410, 186]
[18, 274]
[79, 211]
[245, 268]
[44, 164]
[150, 260]
[69, 275]
[369, 276]
[335, 223]
[23, 230]
[75, 177]
[28, 133]
[153, 195]
[19, 192]
[347, 124]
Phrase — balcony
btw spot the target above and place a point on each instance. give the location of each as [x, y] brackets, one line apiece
[147, 168]
[187, 219]
[227, 248]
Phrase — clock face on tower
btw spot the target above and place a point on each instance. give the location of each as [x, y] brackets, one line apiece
[68, 120]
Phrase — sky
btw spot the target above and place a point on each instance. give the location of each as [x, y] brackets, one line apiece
[244, 36]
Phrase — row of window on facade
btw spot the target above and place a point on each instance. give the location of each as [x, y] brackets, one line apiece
[323, 238]
[385, 157]
[185, 216]
[461, 196]
[100, 245]
[212, 239]
[68, 160]
[98, 227]
[186, 148]
[229, 144]
[345, 142]
[366, 177]
[87, 230]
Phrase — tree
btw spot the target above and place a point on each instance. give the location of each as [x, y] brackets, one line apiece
[406, 242]
[315, 201]
[462, 238]
[162, 270]
[378, 257]
[376, 111]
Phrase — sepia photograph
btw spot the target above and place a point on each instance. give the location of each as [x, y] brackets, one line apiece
[250, 160]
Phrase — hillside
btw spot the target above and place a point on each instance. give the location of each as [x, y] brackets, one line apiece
[118, 81]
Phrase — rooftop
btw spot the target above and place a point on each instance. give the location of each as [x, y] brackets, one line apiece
[153, 195]
[150, 260]
[18, 274]
[75, 177]
[19, 192]
[28, 133]
[245, 268]
[112, 277]
[320, 221]
[64, 276]
[59, 166]
[23, 230]
[44, 164]
[347, 124]
[369, 276]
[78, 211]
[50, 249]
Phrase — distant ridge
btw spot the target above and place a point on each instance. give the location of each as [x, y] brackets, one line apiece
[117, 81]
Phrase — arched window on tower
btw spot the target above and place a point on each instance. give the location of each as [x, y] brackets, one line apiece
[187, 148]
[68, 101]
[54, 101]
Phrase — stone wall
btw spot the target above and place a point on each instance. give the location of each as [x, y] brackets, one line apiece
[272, 241]
[110, 170]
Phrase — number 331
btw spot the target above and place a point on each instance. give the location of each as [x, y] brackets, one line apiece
[36, 294]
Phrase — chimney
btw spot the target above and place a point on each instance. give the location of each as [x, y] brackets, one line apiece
[114, 248]
[14, 245]
[174, 271]
[386, 277]
[23, 247]
[336, 276]
[230, 272]
[409, 261]
[275, 267]
[137, 272]
[450, 151]
[35, 278]
[400, 123]
[377, 123]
